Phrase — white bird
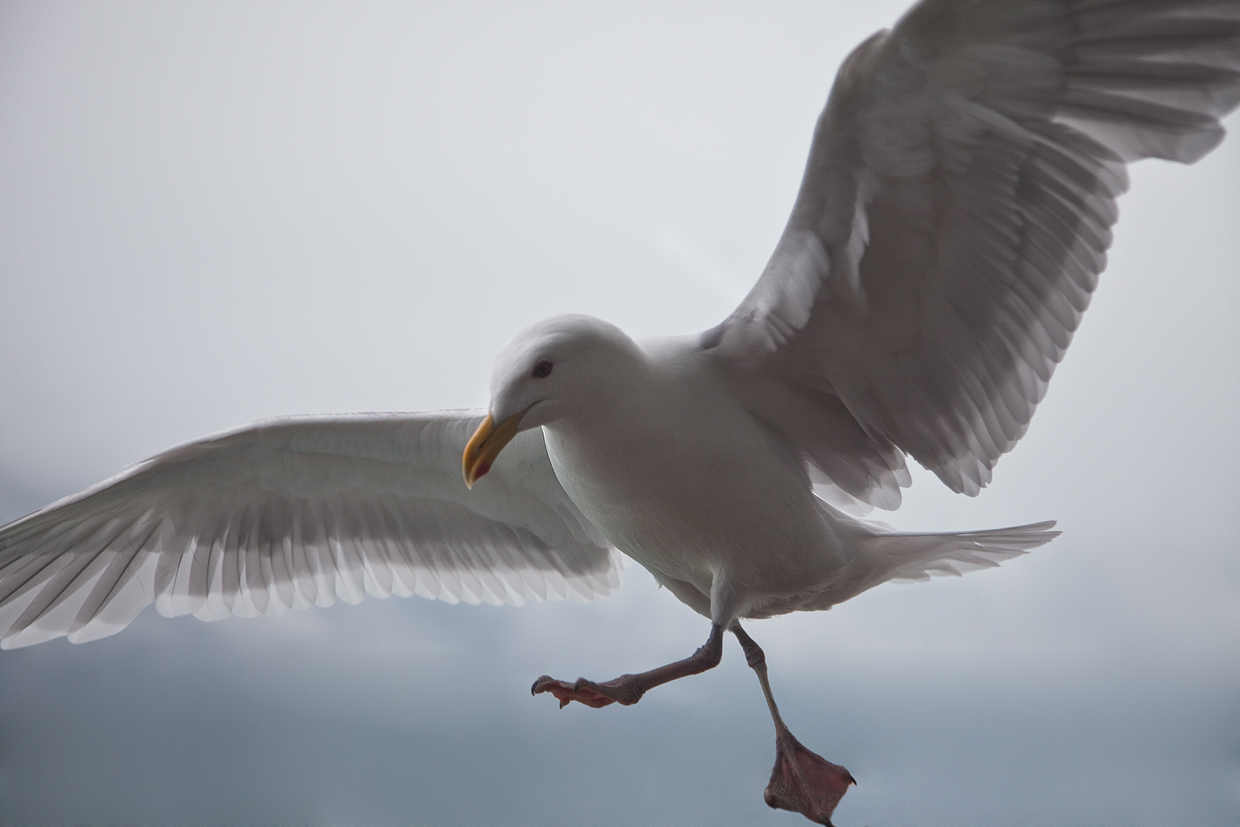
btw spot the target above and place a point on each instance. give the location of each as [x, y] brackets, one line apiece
[948, 234]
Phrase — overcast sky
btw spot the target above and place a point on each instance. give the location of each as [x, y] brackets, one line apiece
[212, 213]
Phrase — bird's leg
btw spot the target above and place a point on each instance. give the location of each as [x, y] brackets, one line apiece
[801, 781]
[628, 689]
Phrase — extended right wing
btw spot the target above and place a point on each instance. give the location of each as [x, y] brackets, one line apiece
[954, 217]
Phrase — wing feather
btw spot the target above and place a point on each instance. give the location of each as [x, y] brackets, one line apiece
[953, 220]
[300, 512]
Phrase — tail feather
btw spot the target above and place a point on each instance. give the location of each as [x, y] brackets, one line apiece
[921, 556]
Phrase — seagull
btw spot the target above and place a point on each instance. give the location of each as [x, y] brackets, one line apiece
[949, 231]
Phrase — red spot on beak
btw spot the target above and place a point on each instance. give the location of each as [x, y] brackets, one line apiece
[482, 470]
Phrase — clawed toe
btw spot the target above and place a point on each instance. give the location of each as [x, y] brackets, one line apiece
[583, 692]
[629, 689]
[805, 782]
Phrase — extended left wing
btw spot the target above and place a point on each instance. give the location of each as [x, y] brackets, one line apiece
[298, 512]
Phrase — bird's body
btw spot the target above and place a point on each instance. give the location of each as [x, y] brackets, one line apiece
[949, 232]
[691, 485]
[666, 459]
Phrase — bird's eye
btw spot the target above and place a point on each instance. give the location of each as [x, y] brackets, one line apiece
[542, 370]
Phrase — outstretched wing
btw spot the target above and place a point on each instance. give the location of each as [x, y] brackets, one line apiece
[954, 217]
[297, 512]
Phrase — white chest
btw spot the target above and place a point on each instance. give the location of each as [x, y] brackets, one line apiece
[692, 488]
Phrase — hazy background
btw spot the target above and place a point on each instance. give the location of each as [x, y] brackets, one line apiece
[215, 212]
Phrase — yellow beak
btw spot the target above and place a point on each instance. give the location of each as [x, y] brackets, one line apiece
[484, 446]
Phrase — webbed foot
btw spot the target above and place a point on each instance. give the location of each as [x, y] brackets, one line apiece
[595, 695]
[805, 782]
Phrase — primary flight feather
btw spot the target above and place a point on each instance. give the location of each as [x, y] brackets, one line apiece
[948, 234]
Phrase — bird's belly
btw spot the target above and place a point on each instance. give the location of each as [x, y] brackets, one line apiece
[700, 514]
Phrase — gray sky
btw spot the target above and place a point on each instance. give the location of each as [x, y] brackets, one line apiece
[212, 213]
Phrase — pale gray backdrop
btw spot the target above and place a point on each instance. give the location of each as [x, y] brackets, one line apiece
[216, 212]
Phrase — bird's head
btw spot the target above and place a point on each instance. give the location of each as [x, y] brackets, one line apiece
[551, 370]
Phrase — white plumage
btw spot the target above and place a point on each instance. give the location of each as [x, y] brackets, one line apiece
[300, 512]
[949, 232]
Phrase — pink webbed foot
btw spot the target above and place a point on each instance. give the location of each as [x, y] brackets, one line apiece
[595, 695]
[805, 782]
[629, 689]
